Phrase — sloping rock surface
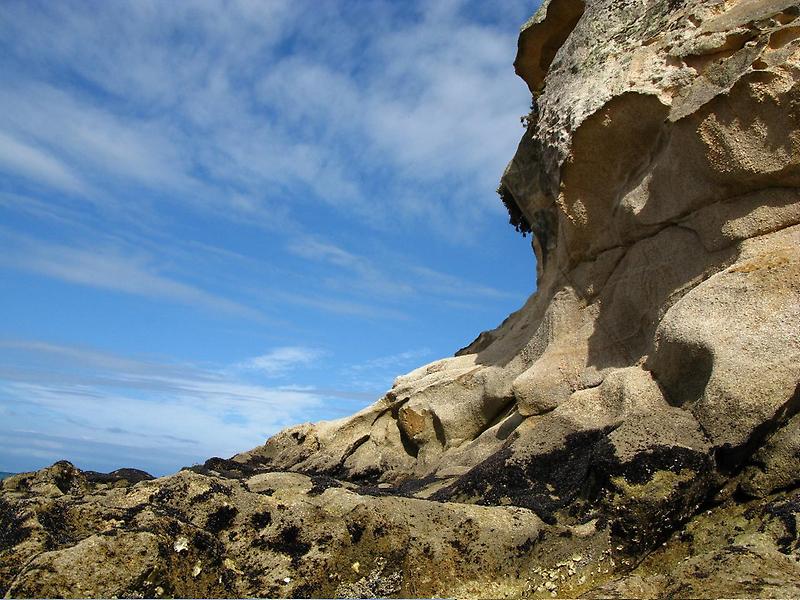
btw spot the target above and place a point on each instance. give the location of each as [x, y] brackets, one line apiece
[633, 430]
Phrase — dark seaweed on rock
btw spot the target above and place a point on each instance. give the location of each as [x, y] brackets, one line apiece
[13, 529]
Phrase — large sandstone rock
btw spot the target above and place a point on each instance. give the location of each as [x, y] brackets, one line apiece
[630, 431]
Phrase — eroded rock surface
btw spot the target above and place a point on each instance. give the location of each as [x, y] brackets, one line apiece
[631, 431]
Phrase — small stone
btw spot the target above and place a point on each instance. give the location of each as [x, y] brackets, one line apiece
[549, 585]
[181, 545]
[355, 566]
[287, 580]
[577, 558]
[159, 591]
[231, 566]
[198, 567]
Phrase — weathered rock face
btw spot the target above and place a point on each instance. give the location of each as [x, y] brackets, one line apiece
[631, 431]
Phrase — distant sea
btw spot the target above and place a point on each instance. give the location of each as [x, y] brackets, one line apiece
[3, 474]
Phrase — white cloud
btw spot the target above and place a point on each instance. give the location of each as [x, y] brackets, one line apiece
[113, 268]
[201, 100]
[444, 284]
[326, 303]
[282, 360]
[153, 403]
[391, 277]
[36, 165]
[366, 275]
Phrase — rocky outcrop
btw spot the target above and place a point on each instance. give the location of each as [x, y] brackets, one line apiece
[631, 431]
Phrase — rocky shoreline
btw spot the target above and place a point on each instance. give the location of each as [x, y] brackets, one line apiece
[632, 431]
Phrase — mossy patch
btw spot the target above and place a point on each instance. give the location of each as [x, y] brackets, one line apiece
[515, 216]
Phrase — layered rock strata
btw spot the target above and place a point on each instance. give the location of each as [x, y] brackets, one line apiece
[631, 431]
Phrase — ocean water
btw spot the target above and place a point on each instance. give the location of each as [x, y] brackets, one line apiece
[3, 474]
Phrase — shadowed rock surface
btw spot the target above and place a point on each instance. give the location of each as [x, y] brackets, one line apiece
[632, 431]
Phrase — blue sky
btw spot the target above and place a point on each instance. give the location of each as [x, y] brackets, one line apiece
[218, 219]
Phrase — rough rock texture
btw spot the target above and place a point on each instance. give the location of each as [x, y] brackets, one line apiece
[633, 430]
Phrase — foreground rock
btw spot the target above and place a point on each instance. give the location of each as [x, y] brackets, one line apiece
[631, 431]
[207, 532]
[224, 530]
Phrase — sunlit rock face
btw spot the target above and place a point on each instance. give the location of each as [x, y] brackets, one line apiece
[631, 431]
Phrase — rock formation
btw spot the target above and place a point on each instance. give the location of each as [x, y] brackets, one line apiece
[631, 431]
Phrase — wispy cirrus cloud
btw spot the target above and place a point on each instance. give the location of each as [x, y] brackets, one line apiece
[141, 111]
[282, 360]
[107, 268]
[391, 275]
[37, 165]
[121, 93]
[94, 139]
[322, 302]
[363, 274]
[186, 410]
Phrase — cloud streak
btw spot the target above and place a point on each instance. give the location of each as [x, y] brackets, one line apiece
[185, 409]
[36, 165]
[280, 361]
[107, 269]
